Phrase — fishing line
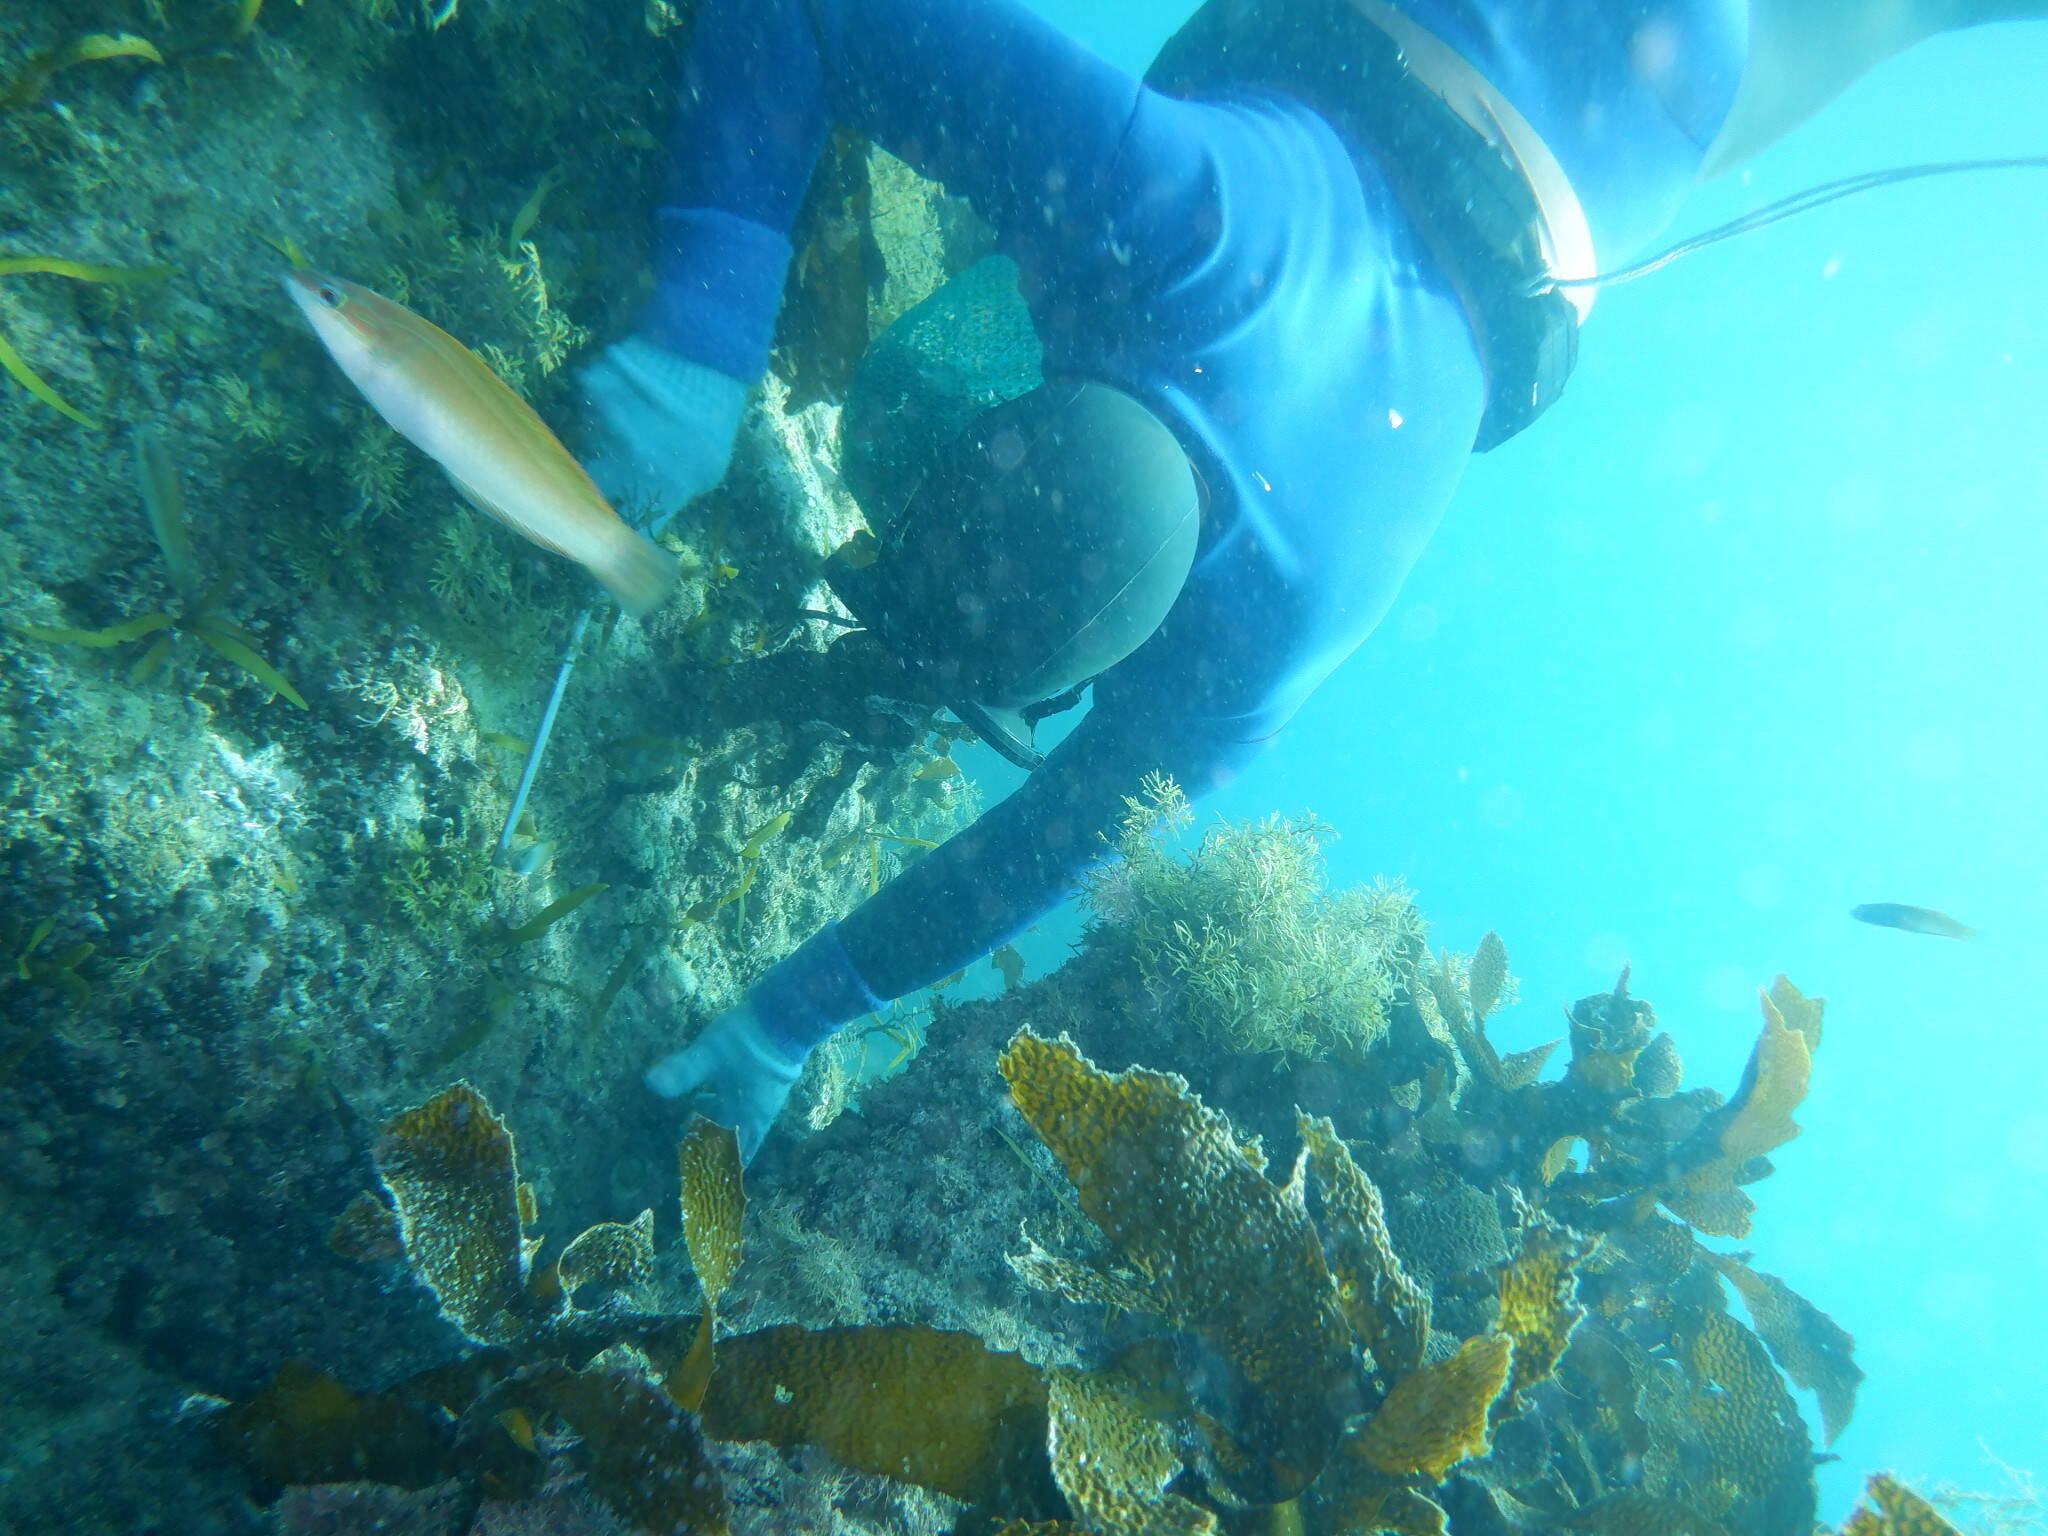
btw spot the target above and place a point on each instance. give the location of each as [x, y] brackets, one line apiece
[1786, 208]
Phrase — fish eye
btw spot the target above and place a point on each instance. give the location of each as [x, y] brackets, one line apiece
[330, 295]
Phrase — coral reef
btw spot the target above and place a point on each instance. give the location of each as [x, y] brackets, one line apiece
[1067, 1297]
[1189, 1207]
[243, 931]
[1505, 1204]
[1269, 1345]
[1889, 1508]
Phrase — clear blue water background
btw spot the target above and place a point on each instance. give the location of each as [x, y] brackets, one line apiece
[1748, 631]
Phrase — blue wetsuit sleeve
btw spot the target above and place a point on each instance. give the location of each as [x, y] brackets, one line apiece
[988, 883]
[981, 95]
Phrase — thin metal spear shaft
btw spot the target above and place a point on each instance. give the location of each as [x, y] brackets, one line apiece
[501, 855]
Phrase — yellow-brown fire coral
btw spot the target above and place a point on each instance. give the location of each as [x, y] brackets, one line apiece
[306, 1427]
[613, 1255]
[714, 1208]
[1179, 1195]
[1809, 1346]
[641, 1452]
[1387, 1310]
[1539, 1306]
[932, 1408]
[1758, 1120]
[1578, 1371]
[1113, 1460]
[938, 1409]
[1890, 1508]
[454, 1179]
[1436, 1417]
[1229, 1254]
[1761, 1459]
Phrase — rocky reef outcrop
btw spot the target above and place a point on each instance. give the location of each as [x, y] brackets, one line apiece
[266, 684]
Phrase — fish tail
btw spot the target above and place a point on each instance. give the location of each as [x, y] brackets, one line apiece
[639, 572]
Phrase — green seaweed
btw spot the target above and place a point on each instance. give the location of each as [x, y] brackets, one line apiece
[467, 1037]
[28, 86]
[234, 643]
[735, 896]
[529, 211]
[11, 361]
[703, 911]
[764, 834]
[56, 970]
[200, 614]
[53, 970]
[246, 12]
[634, 957]
[870, 838]
[98, 639]
[205, 625]
[163, 498]
[437, 884]
[511, 938]
[902, 1033]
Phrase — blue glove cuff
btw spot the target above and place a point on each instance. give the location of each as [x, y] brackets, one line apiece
[718, 286]
[808, 997]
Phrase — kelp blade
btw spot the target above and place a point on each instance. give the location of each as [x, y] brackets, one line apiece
[235, 649]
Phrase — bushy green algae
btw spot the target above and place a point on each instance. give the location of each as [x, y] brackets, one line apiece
[437, 883]
[1243, 939]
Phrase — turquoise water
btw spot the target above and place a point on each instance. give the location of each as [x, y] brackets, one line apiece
[1747, 632]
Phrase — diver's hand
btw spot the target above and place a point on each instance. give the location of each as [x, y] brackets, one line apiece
[658, 428]
[737, 1075]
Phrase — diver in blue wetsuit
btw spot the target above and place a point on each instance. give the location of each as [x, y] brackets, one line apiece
[1280, 290]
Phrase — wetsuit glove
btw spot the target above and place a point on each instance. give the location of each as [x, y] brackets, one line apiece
[658, 428]
[738, 1074]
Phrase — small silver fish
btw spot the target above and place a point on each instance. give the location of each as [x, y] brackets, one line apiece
[1892, 914]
